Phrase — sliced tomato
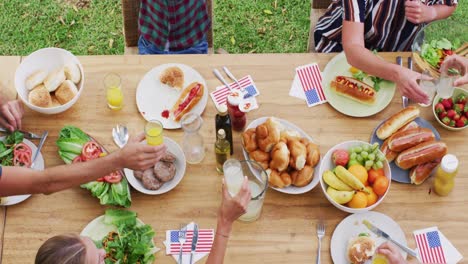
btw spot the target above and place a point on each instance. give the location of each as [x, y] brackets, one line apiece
[114, 177]
[21, 147]
[77, 159]
[90, 151]
[100, 179]
[22, 159]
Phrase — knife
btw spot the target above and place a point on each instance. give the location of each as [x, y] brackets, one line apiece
[220, 77]
[39, 147]
[381, 233]
[194, 241]
[26, 134]
[404, 99]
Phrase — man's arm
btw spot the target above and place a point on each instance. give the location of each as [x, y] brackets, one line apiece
[417, 12]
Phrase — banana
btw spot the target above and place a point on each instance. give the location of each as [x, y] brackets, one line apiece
[347, 177]
[340, 197]
[330, 178]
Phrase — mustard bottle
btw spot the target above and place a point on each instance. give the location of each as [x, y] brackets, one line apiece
[445, 174]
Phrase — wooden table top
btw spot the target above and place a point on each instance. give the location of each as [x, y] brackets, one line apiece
[286, 230]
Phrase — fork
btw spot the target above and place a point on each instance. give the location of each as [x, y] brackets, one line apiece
[182, 235]
[320, 235]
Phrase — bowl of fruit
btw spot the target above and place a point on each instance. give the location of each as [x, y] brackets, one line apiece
[452, 113]
[355, 176]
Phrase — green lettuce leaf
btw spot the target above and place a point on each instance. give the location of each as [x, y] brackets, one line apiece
[73, 133]
[14, 138]
[120, 217]
[73, 145]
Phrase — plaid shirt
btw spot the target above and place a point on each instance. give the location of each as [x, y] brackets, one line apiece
[181, 23]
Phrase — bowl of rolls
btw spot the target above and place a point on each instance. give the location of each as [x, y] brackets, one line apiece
[49, 80]
[286, 152]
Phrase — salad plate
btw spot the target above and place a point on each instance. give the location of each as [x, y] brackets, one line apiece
[39, 165]
[153, 98]
[339, 66]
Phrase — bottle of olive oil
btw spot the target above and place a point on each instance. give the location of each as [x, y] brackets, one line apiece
[222, 150]
[224, 121]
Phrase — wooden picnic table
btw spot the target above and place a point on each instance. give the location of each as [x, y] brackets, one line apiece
[286, 231]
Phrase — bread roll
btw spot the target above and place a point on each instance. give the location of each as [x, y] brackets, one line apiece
[279, 157]
[54, 79]
[289, 135]
[397, 121]
[173, 76]
[35, 79]
[298, 154]
[72, 72]
[249, 140]
[277, 179]
[40, 97]
[54, 102]
[361, 249]
[268, 134]
[302, 177]
[260, 156]
[66, 92]
[313, 154]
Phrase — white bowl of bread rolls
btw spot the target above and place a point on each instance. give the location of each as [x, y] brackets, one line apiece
[49, 80]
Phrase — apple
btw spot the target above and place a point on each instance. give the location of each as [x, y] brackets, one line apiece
[340, 157]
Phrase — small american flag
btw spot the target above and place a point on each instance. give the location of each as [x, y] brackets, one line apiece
[311, 81]
[219, 96]
[430, 248]
[204, 243]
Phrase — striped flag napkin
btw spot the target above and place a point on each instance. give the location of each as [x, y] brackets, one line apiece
[220, 94]
[309, 79]
[204, 243]
[434, 247]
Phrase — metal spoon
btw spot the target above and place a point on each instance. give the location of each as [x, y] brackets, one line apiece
[120, 135]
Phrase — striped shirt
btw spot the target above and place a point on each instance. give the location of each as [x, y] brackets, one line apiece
[173, 24]
[385, 24]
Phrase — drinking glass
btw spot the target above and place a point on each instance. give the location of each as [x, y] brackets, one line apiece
[192, 143]
[154, 133]
[428, 86]
[445, 86]
[114, 96]
[234, 172]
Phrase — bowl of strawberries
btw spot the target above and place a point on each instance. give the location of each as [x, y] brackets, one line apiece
[452, 112]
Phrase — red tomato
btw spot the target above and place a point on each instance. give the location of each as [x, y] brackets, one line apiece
[21, 147]
[114, 177]
[90, 151]
[100, 179]
[77, 159]
[22, 159]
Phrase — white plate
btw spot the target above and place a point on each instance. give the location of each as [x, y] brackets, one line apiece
[153, 97]
[180, 164]
[352, 226]
[287, 125]
[11, 200]
[339, 66]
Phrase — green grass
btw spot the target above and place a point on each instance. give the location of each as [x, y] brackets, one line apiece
[456, 26]
[261, 26]
[26, 26]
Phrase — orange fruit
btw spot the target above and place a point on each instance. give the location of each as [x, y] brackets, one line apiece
[380, 185]
[359, 200]
[360, 172]
[372, 197]
[373, 174]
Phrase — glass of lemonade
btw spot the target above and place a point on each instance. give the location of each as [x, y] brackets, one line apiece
[445, 86]
[114, 94]
[154, 133]
[234, 172]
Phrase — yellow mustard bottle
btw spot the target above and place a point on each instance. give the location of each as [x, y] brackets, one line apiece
[445, 174]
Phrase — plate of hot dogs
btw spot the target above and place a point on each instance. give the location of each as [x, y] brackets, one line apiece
[411, 145]
[169, 91]
[353, 92]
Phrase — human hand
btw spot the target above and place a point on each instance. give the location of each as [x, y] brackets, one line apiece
[417, 12]
[392, 253]
[408, 86]
[11, 113]
[233, 207]
[460, 64]
[137, 156]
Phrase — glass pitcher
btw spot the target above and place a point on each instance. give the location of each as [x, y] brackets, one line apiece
[192, 143]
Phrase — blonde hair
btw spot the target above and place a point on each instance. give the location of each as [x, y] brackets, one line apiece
[63, 249]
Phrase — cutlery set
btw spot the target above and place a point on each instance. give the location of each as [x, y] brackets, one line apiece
[183, 239]
[231, 76]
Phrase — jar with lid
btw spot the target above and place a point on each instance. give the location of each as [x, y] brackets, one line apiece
[192, 143]
[238, 117]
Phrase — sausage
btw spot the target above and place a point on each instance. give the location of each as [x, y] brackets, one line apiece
[421, 172]
[410, 138]
[420, 154]
[389, 154]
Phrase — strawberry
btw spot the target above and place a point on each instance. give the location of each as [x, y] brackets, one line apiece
[440, 100]
[447, 105]
[458, 108]
[461, 99]
[460, 123]
[452, 123]
[450, 100]
[439, 108]
[456, 117]
[464, 119]
[442, 114]
[446, 120]
[451, 113]
[466, 108]
[466, 114]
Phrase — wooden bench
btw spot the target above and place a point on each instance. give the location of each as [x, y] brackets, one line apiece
[318, 8]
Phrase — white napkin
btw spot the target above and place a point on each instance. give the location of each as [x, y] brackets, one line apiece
[296, 89]
[451, 254]
[205, 240]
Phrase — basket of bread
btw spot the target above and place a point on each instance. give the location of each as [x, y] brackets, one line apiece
[287, 153]
[49, 80]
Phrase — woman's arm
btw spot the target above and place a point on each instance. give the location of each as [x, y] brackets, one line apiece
[18, 180]
[363, 59]
[417, 12]
[231, 208]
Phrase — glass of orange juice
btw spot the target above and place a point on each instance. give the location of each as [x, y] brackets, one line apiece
[154, 133]
[113, 85]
